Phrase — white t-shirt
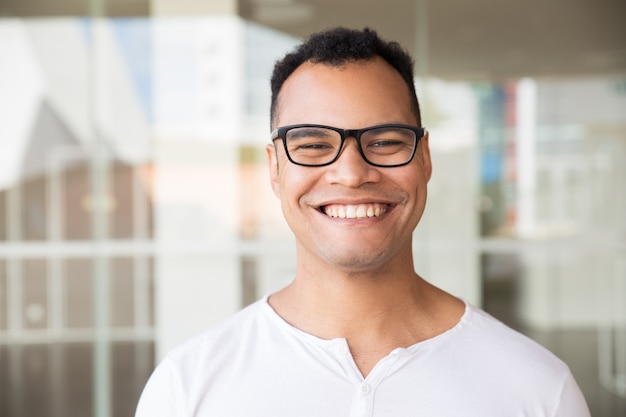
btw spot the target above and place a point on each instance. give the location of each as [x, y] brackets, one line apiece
[257, 365]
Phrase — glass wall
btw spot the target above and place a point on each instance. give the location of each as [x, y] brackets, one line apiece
[76, 216]
[135, 208]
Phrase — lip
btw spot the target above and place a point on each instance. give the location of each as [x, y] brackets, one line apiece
[353, 201]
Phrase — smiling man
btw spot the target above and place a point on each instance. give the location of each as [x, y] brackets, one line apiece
[357, 332]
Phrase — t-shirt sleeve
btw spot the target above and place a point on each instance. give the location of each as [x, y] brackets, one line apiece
[161, 397]
[572, 402]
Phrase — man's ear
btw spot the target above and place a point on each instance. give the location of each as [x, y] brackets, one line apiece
[272, 160]
[425, 155]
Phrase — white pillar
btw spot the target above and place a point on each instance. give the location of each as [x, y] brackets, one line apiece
[526, 166]
[198, 114]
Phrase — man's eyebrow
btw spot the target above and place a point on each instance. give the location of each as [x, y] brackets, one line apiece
[310, 131]
[386, 129]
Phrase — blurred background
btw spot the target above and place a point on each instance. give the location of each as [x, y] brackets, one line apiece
[135, 209]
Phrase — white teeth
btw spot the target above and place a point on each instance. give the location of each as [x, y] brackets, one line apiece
[360, 211]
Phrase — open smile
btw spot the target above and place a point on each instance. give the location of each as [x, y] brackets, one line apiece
[355, 211]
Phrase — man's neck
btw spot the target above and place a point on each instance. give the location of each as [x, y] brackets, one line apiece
[374, 314]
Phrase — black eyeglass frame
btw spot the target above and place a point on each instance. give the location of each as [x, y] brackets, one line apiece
[281, 133]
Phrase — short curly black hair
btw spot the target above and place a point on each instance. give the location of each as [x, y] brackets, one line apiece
[339, 46]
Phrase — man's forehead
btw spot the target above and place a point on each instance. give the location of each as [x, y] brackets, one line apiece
[312, 84]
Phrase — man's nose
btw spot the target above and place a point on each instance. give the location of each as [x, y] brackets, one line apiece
[350, 168]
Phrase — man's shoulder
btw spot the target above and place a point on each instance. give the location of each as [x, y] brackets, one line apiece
[487, 337]
[493, 367]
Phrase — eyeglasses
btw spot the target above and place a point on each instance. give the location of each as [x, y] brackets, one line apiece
[389, 145]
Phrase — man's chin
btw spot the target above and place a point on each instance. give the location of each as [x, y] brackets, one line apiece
[355, 262]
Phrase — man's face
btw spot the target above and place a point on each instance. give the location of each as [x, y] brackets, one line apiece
[349, 214]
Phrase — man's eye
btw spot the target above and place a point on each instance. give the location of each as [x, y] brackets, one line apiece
[315, 146]
[385, 143]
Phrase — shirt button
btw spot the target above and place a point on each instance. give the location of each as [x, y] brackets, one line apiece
[365, 389]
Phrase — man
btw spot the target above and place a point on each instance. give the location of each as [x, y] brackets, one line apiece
[357, 332]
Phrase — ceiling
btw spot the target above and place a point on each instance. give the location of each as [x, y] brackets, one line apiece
[454, 39]
[474, 39]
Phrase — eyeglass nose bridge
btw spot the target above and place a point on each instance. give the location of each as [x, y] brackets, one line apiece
[351, 133]
[345, 135]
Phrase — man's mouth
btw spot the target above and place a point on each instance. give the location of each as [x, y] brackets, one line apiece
[357, 211]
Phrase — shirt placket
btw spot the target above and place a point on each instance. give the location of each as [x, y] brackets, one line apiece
[365, 389]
